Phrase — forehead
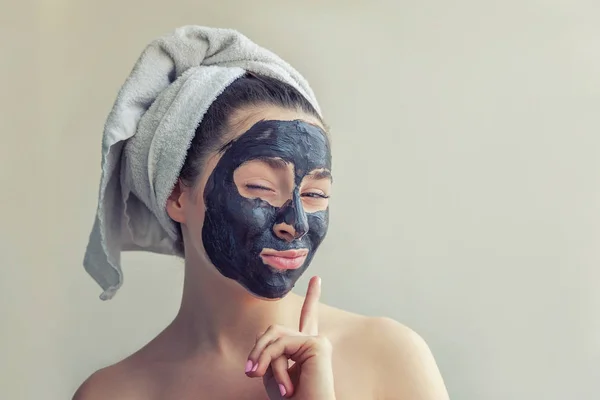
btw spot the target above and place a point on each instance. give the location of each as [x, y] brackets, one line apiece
[244, 118]
[297, 142]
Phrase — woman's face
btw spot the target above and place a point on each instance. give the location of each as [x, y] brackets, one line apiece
[261, 209]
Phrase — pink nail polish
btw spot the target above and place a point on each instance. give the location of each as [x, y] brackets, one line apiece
[248, 366]
[255, 367]
[282, 390]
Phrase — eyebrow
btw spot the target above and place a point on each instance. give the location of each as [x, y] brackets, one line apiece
[320, 174]
[279, 164]
[275, 163]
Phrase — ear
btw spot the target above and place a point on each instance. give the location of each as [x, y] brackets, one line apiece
[176, 202]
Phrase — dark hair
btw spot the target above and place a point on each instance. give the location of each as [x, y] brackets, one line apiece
[248, 90]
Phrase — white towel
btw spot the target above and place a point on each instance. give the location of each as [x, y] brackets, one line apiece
[149, 130]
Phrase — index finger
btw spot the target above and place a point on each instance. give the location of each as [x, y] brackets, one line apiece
[309, 316]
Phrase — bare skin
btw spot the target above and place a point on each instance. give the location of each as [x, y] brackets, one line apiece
[204, 352]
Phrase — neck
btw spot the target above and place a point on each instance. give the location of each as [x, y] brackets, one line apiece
[218, 315]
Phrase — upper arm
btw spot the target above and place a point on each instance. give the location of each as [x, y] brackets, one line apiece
[406, 367]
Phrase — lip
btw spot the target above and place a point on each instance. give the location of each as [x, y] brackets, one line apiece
[284, 260]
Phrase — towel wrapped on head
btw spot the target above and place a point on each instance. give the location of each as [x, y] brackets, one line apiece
[149, 130]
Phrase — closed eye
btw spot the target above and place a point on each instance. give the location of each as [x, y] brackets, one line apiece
[258, 187]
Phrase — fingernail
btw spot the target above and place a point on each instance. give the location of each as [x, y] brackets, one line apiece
[282, 389]
[255, 367]
[248, 366]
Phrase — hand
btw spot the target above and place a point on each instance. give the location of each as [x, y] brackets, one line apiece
[311, 375]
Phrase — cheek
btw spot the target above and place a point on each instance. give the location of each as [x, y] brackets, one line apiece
[250, 215]
[313, 205]
[318, 224]
[260, 217]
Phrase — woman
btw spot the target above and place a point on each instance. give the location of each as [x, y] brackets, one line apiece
[251, 206]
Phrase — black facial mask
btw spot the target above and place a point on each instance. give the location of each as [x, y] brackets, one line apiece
[236, 229]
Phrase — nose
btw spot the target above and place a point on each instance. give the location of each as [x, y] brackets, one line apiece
[291, 222]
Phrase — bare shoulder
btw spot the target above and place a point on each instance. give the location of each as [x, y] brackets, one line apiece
[101, 384]
[344, 325]
[120, 381]
[400, 362]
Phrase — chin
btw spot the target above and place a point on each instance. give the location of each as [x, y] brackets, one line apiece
[268, 298]
[267, 295]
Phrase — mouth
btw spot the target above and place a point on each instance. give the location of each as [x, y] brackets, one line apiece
[284, 260]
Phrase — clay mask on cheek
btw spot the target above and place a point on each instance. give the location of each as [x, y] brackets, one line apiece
[238, 229]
